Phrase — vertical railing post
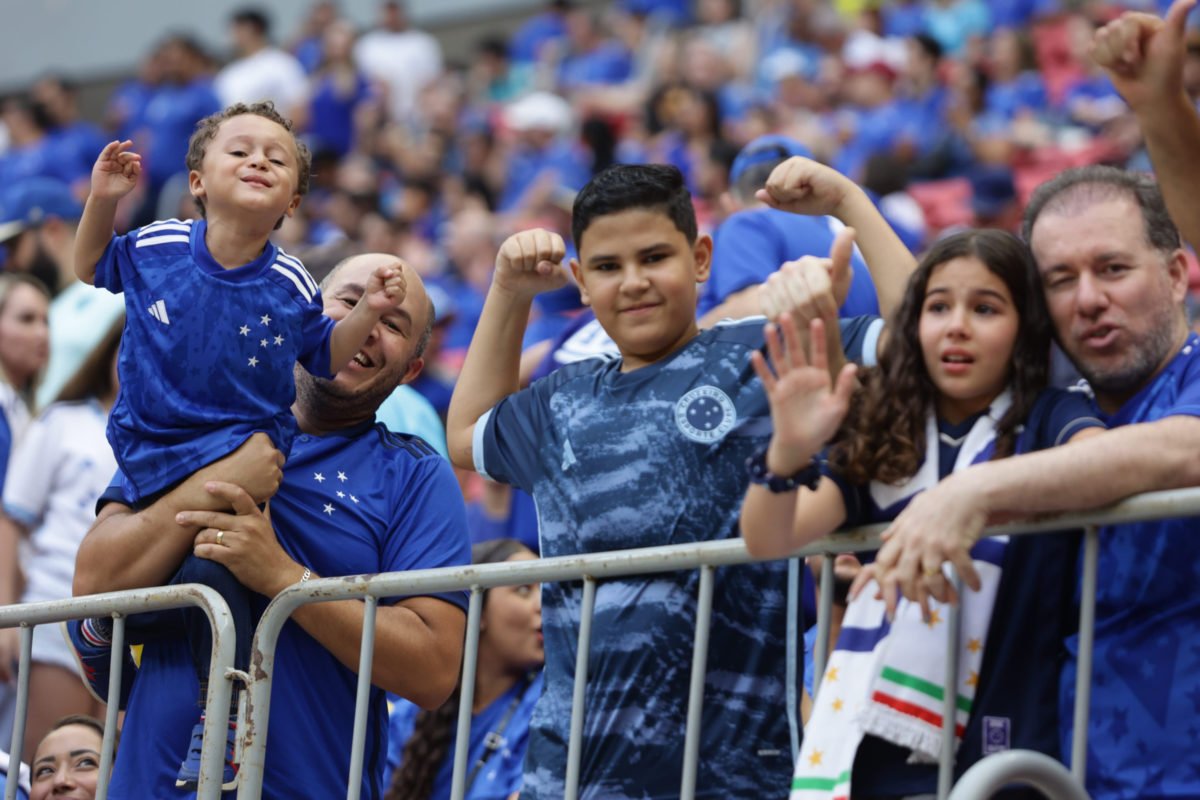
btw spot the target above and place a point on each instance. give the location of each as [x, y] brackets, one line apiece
[824, 621]
[362, 700]
[1087, 638]
[18, 737]
[950, 696]
[112, 708]
[466, 697]
[691, 740]
[575, 743]
[794, 654]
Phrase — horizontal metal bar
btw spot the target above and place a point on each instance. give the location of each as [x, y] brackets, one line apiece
[669, 558]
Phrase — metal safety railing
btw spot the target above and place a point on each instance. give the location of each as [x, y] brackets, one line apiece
[989, 774]
[119, 606]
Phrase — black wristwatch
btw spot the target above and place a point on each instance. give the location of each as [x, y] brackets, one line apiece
[756, 468]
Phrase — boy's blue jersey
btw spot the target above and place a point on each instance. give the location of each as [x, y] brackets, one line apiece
[208, 353]
[654, 456]
[1143, 730]
[357, 501]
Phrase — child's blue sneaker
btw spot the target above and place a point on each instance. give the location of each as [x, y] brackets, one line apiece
[189, 770]
[91, 644]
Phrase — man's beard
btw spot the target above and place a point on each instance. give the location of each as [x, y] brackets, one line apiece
[326, 400]
[1142, 361]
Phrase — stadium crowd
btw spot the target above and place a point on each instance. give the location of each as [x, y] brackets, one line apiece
[915, 122]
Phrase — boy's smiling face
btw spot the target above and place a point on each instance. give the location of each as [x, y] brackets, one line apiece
[639, 274]
[251, 167]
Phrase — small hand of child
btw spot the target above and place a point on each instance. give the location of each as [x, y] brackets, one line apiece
[806, 406]
[803, 186]
[386, 288]
[529, 262]
[116, 171]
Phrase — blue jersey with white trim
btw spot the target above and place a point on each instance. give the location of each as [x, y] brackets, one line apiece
[208, 353]
[654, 456]
[1143, 729]
[362, 500]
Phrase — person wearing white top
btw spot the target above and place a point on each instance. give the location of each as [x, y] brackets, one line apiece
[57, 472]
[404, 59]
[261, 71]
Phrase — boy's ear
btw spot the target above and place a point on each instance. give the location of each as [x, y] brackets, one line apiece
[292, 206]
[702, 255]
[575, 272]
[196, 184]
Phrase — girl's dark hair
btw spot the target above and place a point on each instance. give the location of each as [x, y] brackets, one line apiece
[433, 730]
[883, 437]
[94, 376]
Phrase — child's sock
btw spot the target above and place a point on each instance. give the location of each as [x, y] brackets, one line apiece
[97, 631]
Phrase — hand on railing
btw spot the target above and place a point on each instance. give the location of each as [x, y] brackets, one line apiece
[941, 524]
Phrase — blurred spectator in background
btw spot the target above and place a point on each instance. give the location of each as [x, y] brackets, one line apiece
[508, 682]
[57, 474]
[541, 156]
[309, 45]
[77, 142]
[756, 239]
[38, 218]
[405, 60]
[261, 71]
[338, 89]
[31, 153]
[184, 96]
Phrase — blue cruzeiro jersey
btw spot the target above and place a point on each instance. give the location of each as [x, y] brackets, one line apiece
[654, 456]
[1145, 720]
[208, 353]
[357, 501]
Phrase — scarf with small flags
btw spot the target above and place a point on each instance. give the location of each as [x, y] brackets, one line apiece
[886, 678]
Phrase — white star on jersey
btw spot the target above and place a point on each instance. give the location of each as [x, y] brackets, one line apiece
[265, 319]
[341, 476]
[253, 361]
[244, 330]
[278, 341]
[318, 477]
[329, 509]
[341, 493]
[355, 499]
[262, 342]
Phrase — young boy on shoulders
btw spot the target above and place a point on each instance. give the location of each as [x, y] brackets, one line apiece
[646, 448]
[216, 318]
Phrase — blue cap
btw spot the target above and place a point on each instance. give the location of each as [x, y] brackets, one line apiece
[772, 147]
[28, 203]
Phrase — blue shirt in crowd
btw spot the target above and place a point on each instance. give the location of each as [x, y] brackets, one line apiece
[753, 243]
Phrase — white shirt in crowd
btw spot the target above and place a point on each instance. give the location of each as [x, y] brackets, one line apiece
[269, 74]
[405, 61]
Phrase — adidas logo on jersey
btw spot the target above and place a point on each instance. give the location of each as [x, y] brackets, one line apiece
[159, 312]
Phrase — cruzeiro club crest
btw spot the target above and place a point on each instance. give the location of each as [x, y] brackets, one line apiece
[705, 414]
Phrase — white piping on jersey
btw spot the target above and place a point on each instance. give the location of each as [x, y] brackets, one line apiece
[153, 240]
[294, 262]
[165, 225]
[291, 276]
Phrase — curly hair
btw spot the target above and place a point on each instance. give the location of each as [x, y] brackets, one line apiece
[206, 131]
[883, 436]
[433, 730]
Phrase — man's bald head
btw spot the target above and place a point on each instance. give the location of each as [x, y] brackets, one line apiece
[366, 263]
